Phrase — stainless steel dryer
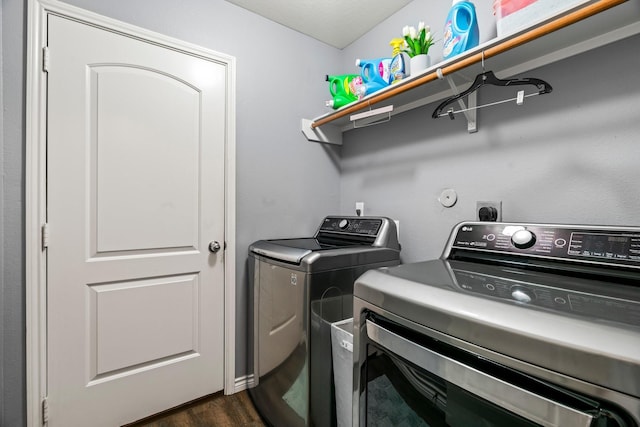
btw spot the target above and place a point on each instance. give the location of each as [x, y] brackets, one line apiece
[515, 325]
[298, 288]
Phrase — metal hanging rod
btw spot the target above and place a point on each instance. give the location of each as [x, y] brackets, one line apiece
[519, 101]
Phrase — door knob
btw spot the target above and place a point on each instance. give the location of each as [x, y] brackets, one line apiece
[214, 246]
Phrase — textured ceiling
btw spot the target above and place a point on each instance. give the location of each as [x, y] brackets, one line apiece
[335, 22]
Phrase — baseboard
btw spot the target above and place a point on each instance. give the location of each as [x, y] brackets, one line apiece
[243, 383]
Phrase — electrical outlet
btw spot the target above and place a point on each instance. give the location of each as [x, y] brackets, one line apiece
[489, 211]
[360, 208]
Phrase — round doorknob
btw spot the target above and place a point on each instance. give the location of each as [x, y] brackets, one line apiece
[214, 246]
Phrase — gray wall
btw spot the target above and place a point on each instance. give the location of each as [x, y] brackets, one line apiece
[285, 185]
[12, 330]
[567, 157]
[2, 329]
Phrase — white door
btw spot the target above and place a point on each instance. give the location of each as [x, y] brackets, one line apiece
[135, 194]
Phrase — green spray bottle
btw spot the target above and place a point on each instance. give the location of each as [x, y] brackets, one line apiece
[340, 90]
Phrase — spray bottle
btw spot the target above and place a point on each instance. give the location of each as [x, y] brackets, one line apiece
[340, 90]
[397, 67]
[461, 29]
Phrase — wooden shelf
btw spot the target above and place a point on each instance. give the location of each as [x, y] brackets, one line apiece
[581, 29]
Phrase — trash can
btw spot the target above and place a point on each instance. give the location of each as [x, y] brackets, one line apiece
[342, 353]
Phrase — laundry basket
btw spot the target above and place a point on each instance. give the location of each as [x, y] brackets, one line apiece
[324, 312]
[342, 352]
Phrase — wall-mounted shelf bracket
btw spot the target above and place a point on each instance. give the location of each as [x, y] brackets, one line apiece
[470, 111]
[326, 134]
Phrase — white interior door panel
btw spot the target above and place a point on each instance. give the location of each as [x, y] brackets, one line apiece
[135, 193]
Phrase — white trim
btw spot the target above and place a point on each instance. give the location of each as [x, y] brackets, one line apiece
[230, 232]
[35, 216]
[243, 383]
[35, 177]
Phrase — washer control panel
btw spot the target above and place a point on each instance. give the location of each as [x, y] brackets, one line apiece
[352, 225]
[617, 245]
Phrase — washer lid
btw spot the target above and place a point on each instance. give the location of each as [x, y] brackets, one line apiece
[287, 253]
[294, 250]
[313, 244]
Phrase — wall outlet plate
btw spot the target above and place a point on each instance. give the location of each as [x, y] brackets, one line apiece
[495, 205]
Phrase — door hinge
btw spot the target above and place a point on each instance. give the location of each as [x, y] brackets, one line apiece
[45, 411]
[45, 59]
[45, 235]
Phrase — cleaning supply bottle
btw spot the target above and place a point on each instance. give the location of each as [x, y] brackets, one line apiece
[375, 73]
[358, 87]
[461, 29]
[340, 90]
[397, 67]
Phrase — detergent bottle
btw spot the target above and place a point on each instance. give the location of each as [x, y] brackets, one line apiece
[461, 29]
[375, 73]
[397, 67]
[358, 87]
[340, 90]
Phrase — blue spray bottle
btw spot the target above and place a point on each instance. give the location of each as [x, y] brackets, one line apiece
[461, 29]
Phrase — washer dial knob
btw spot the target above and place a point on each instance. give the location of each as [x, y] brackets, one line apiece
[523, 239]
[521, 294]
[343, 224]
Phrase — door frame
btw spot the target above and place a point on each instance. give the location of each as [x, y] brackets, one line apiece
[36, 197]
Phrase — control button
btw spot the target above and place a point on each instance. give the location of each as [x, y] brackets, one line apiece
[523, 239]
[490, 287]
[491, 237]
[343, 224]
[560, 243]
[560, 300]
[522, 295]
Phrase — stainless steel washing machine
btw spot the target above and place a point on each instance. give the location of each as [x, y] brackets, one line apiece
[298, 288]
[515, 325]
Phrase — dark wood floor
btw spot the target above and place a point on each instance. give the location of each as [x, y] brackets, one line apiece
[216, 410]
